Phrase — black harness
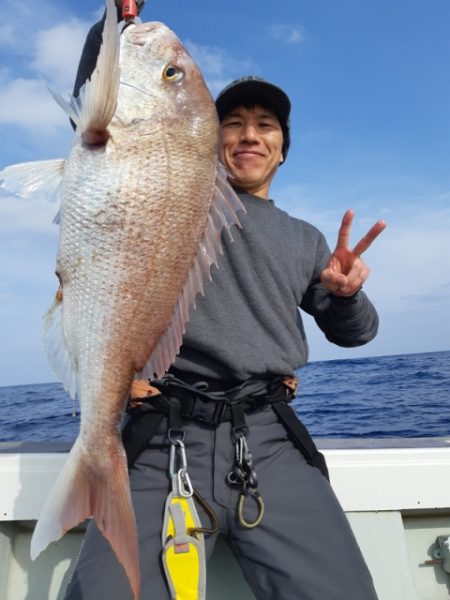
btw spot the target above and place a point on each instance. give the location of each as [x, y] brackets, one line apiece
[179, 400]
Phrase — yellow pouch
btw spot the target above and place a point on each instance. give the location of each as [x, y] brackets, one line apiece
[183, 553]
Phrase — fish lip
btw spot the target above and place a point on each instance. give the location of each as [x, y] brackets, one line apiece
[141, 33]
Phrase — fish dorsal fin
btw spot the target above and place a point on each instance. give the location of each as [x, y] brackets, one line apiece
[41, 177]
[94, 108]
[224, 206]
[56, 349]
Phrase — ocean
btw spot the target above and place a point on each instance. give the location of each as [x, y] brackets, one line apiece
[407, 395]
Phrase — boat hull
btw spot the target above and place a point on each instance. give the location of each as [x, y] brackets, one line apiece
[396, 494]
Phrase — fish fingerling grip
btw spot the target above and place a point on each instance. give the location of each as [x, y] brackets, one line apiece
[129, 9]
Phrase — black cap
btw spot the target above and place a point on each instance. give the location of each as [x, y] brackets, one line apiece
[257, 90]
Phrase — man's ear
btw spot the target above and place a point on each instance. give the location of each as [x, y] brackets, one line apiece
[281, 159]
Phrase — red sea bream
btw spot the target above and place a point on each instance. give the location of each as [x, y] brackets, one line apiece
[143, 202]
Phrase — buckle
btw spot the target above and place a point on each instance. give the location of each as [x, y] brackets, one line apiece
[219, 413]
[206, 411]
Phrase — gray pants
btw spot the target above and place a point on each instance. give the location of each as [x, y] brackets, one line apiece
[303, 549]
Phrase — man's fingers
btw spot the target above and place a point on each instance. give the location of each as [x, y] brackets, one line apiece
[140, 388]
[342, 284]
[365, 242]
[344, 230]
[332, 281]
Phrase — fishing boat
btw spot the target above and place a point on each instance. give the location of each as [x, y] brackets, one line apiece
[395, 492]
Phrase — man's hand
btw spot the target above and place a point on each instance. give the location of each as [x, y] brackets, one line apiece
[141, 388]
[346, 272]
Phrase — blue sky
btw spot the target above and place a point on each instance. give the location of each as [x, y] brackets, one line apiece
[370, 87]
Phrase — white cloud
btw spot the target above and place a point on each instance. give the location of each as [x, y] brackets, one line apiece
[27, 261]
[287, 34]
[7, 37]
[20, 217]
[49, 57]
[27, 103]
[58, 51]
[22, 22]
[410, 260]
[307, 202]
[217, 66]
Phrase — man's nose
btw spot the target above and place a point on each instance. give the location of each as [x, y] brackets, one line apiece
[249, 133]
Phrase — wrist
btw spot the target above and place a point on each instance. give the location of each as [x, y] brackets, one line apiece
[344, 299]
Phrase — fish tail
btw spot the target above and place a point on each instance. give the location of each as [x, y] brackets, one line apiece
[94, 108]
[83, 491]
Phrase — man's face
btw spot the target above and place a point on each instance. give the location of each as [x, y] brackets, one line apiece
[251, 142]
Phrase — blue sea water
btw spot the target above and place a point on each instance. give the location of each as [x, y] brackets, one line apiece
[389, 396]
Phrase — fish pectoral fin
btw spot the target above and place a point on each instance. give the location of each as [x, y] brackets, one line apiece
[56, 348]
[37, 178]
[226, 202]
[223, 214]
[83, 491]
[94, 108]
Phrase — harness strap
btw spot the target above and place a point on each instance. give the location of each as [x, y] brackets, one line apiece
[300, 437]
[175, 417]
[238, 418]
[211, 408]
[137, 433]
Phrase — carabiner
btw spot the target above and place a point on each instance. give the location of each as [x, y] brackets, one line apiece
[181, 482]
[185, 487]
[236, 477]
[243, 470]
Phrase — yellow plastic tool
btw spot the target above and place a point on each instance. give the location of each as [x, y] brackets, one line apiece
[183, 549]
[183, 545]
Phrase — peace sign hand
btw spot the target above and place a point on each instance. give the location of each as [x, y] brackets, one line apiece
[346, 272]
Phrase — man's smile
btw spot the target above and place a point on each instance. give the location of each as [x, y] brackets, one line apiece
[244, 153]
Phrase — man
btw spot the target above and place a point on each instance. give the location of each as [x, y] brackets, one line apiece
[245, 335]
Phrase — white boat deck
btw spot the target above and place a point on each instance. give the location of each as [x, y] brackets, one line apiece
[396, 494]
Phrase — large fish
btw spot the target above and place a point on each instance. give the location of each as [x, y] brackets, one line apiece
[143, 202]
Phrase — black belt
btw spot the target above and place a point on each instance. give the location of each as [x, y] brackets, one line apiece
[208, 407]
[213, 408]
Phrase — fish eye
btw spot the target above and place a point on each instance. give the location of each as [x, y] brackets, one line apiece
[172, 73]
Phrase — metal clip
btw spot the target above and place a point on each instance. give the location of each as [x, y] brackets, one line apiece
[236, 477]
[243, 476]
[240, 446]
[245, 460]
[185, 487]
[181, 482]
[243, 473]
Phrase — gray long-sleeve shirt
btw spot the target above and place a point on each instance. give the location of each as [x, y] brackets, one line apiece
[248, 323]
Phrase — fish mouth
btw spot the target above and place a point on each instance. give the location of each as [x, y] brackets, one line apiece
[144, 33]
